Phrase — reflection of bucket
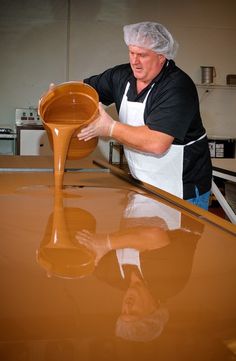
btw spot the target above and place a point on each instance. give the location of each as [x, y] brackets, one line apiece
[208, 74]
[59, 252]
[72, 103]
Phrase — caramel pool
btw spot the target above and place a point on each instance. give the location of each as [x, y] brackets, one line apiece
[105, 270]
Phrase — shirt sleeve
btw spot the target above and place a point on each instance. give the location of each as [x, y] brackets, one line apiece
[103, 85]
[110, 84]
[174, 110]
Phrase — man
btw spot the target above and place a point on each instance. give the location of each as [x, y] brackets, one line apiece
[160, 125]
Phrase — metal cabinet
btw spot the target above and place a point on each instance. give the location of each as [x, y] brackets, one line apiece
[7, 143]
[32, 140]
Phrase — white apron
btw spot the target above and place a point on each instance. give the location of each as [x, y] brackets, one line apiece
[165, 171]
[140, 206]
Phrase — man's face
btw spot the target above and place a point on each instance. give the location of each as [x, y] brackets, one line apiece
[137, 302]
[145, 63]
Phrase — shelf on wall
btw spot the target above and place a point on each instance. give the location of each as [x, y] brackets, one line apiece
[216, 86]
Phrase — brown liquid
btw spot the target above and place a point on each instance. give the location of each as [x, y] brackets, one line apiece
[75, 319]
[65, 109]
[59, 253]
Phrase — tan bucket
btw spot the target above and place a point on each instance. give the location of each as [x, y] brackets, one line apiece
[70, 103]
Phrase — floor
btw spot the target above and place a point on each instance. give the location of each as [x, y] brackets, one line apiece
[217, 209]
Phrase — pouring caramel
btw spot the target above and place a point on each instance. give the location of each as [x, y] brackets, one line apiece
[64, 110]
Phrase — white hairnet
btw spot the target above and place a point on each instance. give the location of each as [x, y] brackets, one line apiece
[152, 36]
[145, 329]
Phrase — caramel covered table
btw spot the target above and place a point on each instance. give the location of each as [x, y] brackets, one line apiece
[66, 293]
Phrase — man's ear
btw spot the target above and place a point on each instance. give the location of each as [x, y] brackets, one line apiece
[162, 59]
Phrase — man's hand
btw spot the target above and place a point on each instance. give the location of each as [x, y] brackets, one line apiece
[102, 126]
[97, 243]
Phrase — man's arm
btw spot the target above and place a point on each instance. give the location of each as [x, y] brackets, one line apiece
[140, 138]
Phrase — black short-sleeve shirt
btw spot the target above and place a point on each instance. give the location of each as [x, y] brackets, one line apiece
[172, 107]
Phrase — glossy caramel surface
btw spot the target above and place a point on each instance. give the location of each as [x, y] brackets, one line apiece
[65, 296]
[69, 103]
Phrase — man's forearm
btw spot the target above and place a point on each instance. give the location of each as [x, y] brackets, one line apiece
[142, 138]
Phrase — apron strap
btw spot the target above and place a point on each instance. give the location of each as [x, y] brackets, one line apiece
[145, 99]
[194, 141]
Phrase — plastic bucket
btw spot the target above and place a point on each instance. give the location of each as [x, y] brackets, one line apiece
[70, 103]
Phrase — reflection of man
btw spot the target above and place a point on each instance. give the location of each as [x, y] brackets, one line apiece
[142, 318]
[150, 258]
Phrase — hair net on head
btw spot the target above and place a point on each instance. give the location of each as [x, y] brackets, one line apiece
[152, 36]
[145, 329]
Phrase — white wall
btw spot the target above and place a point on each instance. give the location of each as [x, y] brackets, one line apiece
[58, 40]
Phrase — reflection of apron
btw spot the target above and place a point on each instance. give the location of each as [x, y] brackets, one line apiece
[164, 171]
[140, 206]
